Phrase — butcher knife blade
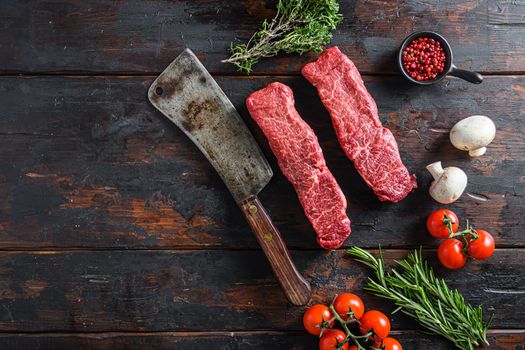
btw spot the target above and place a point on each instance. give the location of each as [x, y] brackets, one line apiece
[188, 96]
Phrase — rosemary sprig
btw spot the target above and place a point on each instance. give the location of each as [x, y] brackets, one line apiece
[299, 26]
[420, 294]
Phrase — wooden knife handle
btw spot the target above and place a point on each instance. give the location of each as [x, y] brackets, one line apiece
[296, 288]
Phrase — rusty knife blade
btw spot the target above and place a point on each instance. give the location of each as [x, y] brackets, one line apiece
[186, 94]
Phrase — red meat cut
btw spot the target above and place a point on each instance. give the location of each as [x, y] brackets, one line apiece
[302, 162]
[365, 141]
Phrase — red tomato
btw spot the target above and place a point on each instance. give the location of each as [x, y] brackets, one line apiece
[450, 254]
[436, 223]
[345, 303]
[353, 347]
[482, 247]
[332, 339]
[316, 317]
[389, 343]
[376, 322]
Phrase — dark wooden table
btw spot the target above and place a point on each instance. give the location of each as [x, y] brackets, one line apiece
[116, 233]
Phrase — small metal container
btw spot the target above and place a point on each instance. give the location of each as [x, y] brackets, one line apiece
[450, 68]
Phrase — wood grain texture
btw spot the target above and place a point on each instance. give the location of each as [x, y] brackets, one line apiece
[87, 162]
[507, 12]
[294, 286]
[93, 291]
[138, 36]
[261, 340]
[92, 177]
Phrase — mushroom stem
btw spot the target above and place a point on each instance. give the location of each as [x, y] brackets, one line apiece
[477, 152]
[473, 134]
[435, 169]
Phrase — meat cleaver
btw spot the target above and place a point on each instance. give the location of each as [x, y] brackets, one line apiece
[188, 96]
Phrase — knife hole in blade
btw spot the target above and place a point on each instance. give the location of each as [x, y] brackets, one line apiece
[159, 91]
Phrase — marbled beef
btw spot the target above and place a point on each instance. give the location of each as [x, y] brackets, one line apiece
[365, 141]
[301, 160]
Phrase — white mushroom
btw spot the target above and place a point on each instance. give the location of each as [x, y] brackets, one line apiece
[473, 134]
[448, 184]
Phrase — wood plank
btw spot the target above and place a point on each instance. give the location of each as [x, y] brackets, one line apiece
[87, 162]
[499, 340]
[507, 12]
[137, 36]
[92, 291]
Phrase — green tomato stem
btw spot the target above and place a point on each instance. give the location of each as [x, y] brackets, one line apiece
[349, 334]
[467, 235]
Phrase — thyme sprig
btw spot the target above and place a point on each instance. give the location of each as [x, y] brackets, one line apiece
[299, 26]
[420, 294]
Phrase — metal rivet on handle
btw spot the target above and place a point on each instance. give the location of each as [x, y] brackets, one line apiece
[252, 209]
[267, 237]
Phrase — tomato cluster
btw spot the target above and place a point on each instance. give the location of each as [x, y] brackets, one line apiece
[453, 251]
[348, 309]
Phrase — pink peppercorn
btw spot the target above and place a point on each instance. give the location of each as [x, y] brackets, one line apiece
[424, 58]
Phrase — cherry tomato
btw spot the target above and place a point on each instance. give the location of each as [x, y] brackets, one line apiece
[482, 247]
[316, 317]
[376, 322]
[353, 347]
[333, 339]
[349, 302]
[436, 223]
[389, 343]
[450, 254]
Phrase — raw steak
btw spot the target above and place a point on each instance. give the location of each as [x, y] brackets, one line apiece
[301, 160]
[365, 141]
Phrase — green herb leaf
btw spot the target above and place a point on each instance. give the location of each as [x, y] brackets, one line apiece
[420, 294]
[300, 26]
